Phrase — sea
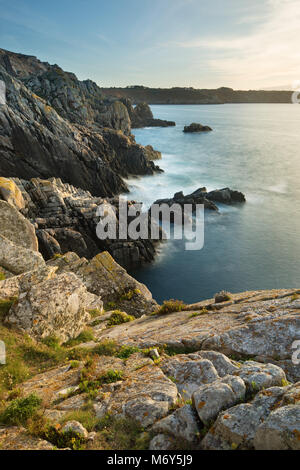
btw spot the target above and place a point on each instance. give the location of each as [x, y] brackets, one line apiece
[253, 148]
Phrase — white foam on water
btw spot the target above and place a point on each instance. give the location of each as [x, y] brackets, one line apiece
[280, 188]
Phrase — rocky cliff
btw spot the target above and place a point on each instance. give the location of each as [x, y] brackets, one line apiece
[54, 125]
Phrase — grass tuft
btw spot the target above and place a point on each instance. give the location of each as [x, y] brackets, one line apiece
[170, 306]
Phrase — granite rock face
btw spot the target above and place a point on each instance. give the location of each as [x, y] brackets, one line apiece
[55, 307]
[181, 424]
[210, 399]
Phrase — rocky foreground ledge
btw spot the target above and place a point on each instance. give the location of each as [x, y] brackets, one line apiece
[94, 363]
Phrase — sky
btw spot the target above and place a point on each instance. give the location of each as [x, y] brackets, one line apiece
[243, 44]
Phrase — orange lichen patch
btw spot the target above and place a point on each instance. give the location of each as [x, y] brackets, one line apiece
[226, 416]
[201, 404]
[296, 433]
[267, 393]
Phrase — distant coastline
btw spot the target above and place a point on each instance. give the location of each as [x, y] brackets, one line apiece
[187, 96]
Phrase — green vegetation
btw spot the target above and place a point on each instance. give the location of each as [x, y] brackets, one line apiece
[121, 434]
[86, 417]
[130, 294]
[5, 306]
[203, 311]
[110, 306]
[118, 317]
[2, 276]
[126, 351]
[26, 357]
[170, 306]
[20, 410]
[95, 312]
[106, 348]
[84, 337]
[52, 342]
[90, 384]
[111, 348]
[64, 440]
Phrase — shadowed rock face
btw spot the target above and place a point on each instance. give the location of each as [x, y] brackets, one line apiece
[142, 116]
[55, 125]
[66, 219]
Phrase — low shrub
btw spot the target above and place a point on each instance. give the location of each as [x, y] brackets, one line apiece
[84, 337]
[5, 306]
[20, 410]
[170, 306]
[118, 317]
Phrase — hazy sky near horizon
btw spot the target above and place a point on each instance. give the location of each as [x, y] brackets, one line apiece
[242, 44]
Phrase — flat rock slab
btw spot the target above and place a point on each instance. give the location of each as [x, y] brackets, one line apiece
[258, 323]
[15, 438]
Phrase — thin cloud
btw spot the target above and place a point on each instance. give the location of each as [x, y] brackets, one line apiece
[267, 55]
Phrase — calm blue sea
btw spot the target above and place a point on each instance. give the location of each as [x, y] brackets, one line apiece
[254, 148]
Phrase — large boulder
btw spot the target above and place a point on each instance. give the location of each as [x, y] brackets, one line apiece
[55, 307]
[241, 427]
[15, 285]
[280, 431]
[104, 277]
[259, 376]
[182, 424]
[16, 228]
[209, 400]
[189, 374]
[17, 259]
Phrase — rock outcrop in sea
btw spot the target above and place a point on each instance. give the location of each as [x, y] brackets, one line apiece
[194, 127]
[142, 116]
